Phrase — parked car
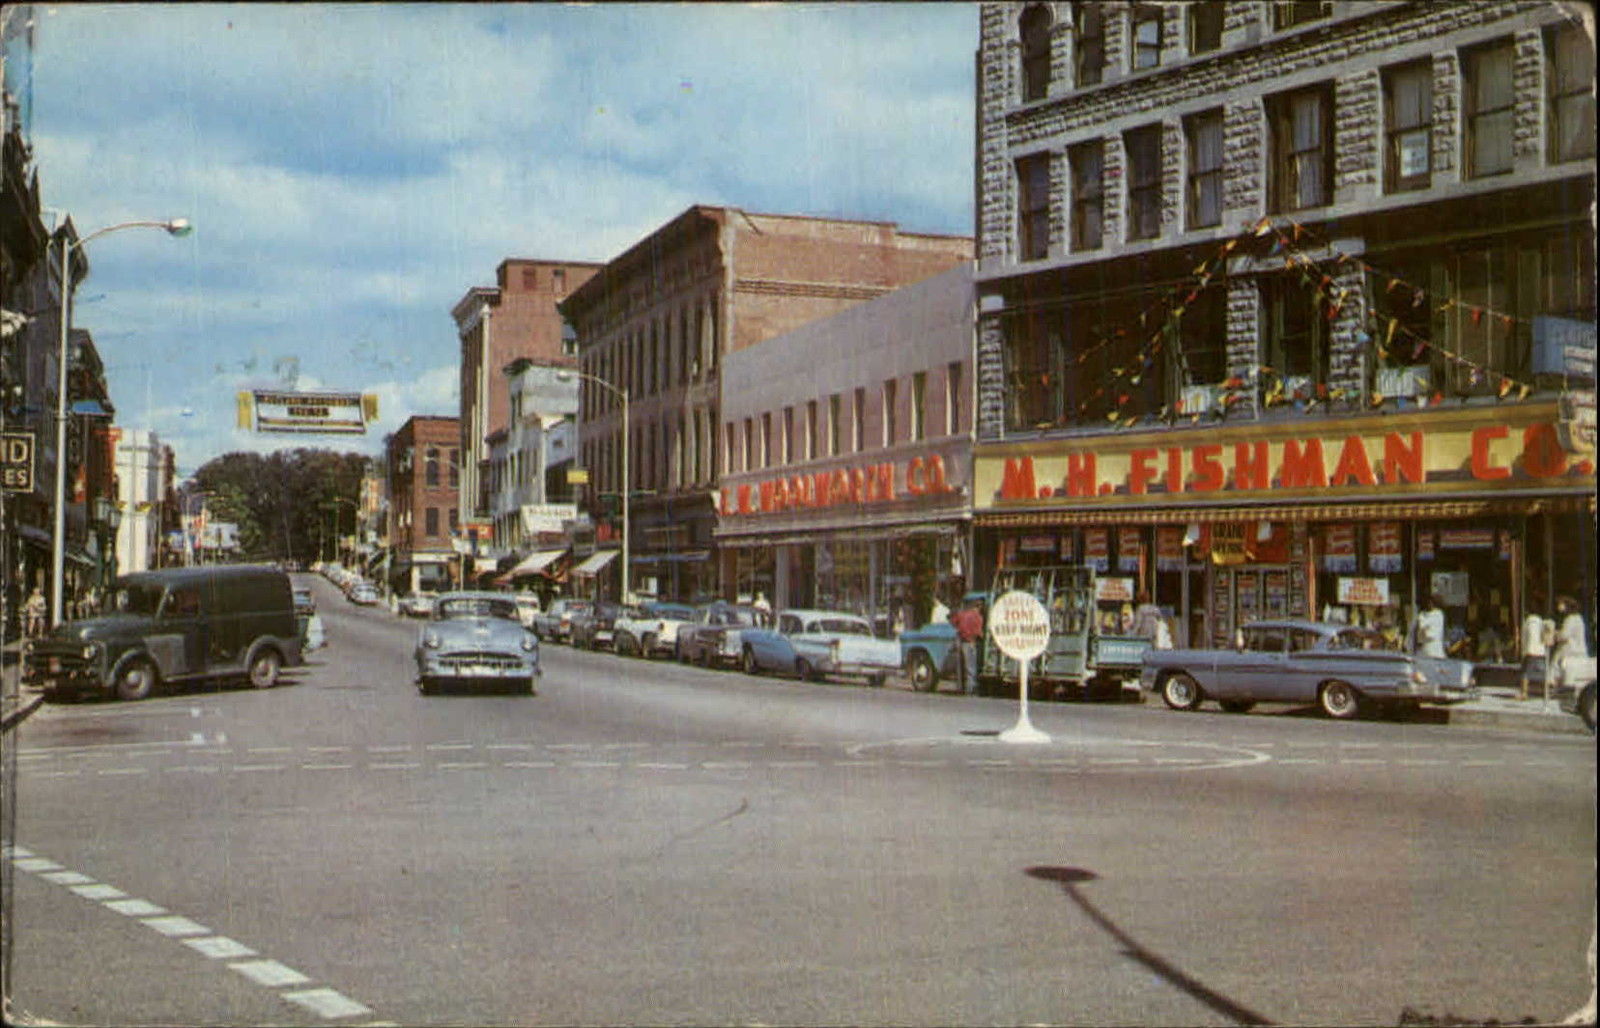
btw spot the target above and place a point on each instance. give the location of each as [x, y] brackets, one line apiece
[1342, 669]
[593, 629]
[527, 608]
[416, 604]
[929, 653]
[1574, 687]
[556, 622]
[364, 594]
[712, 639]
[174, 625]
[653, 630]
[476, 638]
[817, 643]
[312, 634]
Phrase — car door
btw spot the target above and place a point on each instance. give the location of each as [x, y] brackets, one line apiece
[182, 638]
[1259, 671]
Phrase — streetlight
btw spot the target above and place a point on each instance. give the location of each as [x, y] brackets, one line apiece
[58, 549]
[332, 506]
[565, 375]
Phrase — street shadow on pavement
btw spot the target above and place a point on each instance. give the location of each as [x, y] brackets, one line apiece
[175, 689]
[1069, 878]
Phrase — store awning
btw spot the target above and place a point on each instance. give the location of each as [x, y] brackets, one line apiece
[534, 563]
[1343, 511]
[595, 563]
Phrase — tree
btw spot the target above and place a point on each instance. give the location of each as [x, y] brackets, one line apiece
[279, 500]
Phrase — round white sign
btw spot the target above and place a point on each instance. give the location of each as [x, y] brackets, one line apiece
[1019, 625]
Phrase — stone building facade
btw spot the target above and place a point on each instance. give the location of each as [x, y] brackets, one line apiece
[657, 322]
[423, 462]
[1246, 223]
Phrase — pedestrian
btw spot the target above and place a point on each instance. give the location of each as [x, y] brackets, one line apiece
[761, 605]
[968, 623]
[35, 611]
[1146, 617]
[1537, 633]
[1571, 641]
[940, 612]
[1427, 629]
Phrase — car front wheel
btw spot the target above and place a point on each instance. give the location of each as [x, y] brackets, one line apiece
[1339, 700]
[747, 662]
[924, 676]
[264, 669]
[1586, 705]
[1181, 692]
[136, 680]
[647, 647]
[804, 669]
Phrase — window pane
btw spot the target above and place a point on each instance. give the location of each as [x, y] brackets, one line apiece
[1491, 143]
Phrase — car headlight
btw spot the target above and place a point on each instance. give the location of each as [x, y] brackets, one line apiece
[431, 641]
[1418, 677]
[90, 650]
[529, 643]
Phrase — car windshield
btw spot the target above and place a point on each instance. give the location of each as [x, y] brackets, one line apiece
[841, 626]
[477, 607]
[1364, 639]
[735, 616]
[134, 599]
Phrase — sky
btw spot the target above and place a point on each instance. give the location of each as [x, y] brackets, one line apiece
[351, 171]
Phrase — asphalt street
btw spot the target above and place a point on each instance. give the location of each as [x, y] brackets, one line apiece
[649, 843]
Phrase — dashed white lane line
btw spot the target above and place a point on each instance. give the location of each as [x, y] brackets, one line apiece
[437, 746]
[388, 749]
[659, 766]
[591, 764]
[394, 765]
[1300, 760]
[326, 767]
[505, 746]
[259, 767]
[530, 763]
[123, 771]
[326, 1003]
[465, 765]
[1362, 760]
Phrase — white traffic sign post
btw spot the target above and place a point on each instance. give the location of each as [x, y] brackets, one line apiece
[1020, 627]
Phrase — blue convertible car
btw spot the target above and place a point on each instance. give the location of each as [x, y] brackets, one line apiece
[817, 643]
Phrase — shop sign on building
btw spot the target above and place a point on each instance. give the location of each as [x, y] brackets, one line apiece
[1339, 548]
[16, 462]
[1129, 550]
[1383, 548]
[1471, 450]
[1364, 592]
[1096, 549]
[1169, 548]
[310, 413]
[923, 475]
[1113, 590]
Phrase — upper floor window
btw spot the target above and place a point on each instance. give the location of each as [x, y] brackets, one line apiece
[1571, 62]
[1302, 148]
[1408, 116]
[1289, 13]
[455, 468]
[431, 472]
[1091, 53]
[1144, 182]
[1204, 132]
[1087, 163]
[1489, 99]
[749, 445]
[858, 424]
[1035, 31]
[812, 447]
[1205, 26]
[790, 451]
[835, 425]
[1297, 332]
[919, 401]
[891, 425]
[766, 439]
[952, 398]
[430, 521]
[1033, 207]
[1146, 37]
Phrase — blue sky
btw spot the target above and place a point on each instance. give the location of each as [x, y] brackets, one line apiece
[352, 170]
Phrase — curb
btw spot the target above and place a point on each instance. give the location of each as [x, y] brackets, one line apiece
[1560, 723]
[16, 713]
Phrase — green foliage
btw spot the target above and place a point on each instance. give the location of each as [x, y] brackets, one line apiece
[282, 501]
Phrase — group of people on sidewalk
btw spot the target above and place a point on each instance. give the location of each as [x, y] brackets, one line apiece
[36, 610]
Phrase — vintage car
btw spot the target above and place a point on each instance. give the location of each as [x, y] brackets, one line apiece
[416, 604]
[1342, 669]
[653, 630]
[1573, 682]
[928, 654]
[476, 638]
[593, 629]
[364, 594]
[555, 623]
[712, 639]
[817, 643]
[313, 635]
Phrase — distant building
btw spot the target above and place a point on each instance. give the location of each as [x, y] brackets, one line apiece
[541, 429]
[423, 461]
[658, 322]
[141, 475]
[1283, 307]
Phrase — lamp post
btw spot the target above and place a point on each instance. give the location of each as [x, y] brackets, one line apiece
[58, 546]
[332, 506]
[622, 394]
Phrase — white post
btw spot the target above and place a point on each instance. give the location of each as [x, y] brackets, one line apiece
[59, 534]
[1023, 730]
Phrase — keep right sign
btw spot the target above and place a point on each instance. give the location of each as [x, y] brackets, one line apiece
[1019, 625]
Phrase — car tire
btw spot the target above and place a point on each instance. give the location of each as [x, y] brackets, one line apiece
[747, 662]
[1181, 692]
[425, 687]
[647, 647]
[924, 676]
[1237, 706]
[803, 668]
[136, 680]
[1339, 700]
[1586, 705]
[533, 686]
[877, 680]
[264, 667]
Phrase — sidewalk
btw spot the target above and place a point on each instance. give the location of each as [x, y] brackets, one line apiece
[15, 706]
[1499, 707]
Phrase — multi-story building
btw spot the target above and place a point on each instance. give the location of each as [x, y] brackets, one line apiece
[423, 461]
[141, 477]
[497, 324]
[541, 429]
[1273, 299]
[655, 325]
[846, 448]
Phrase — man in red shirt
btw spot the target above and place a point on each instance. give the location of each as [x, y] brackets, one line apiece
[968, 623]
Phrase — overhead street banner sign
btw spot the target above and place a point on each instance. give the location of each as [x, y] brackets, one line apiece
[16, 462]
[319, 413]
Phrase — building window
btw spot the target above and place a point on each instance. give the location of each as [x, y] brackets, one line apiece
[1205, 26]
[952, 398]
[1146, 37]
[1087, 161]
[1035, 31]
[1203, 333]
[455, 519]
[569, 340]
[813, 449]
[431, 474]
[858, 425]
[1571, 59]
[431, 521]
[455, 468]
[835, 425]
[530, 279]
[558, 280]
[1489, 100]
[919, 401]
[1144, 182]
[1091, 54]
[730, 451]
[1408, 114]
[891, 398]
[766, 439]
[1204, 132]
[749, 445]
[1302, 148]
[1296, 344]
[1289, 13]
[1033, 206]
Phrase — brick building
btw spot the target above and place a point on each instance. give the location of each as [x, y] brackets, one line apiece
[497, 324]
[1272, 300]
[657, 322]
[423, 461]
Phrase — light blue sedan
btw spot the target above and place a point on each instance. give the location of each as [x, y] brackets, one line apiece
[814, 644]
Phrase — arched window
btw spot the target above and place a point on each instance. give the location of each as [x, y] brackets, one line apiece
[1034, 28]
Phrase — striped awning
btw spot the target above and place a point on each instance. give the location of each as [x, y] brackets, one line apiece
[595, 563]
[1408, 509]
[534, 563]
